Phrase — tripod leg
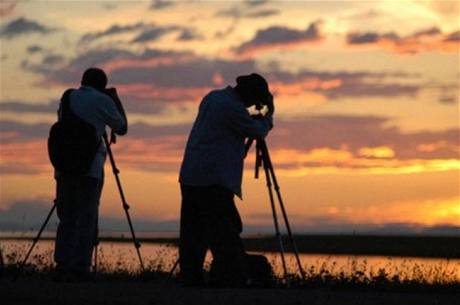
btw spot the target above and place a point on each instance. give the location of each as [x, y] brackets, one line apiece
[275, 221]
[115, 170]
[21, 266]
[174, 267]
[283, 210]
[96, 245]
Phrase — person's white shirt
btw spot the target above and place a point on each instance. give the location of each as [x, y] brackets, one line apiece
[99, 110]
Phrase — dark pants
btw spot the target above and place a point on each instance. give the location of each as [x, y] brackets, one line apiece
[77, 208]
[209, 219]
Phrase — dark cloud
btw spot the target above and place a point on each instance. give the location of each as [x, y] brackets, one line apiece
[238, 12]
[109, 6]
[21, 26]
[27, 215]
[233, 12]
[427, 32]
[153, 34]
[189, 34]
[423, 40]
[356, 132]
[53, 59]
[255, 2]
[26, 132]
[276, 36]
[183, 76]
[113, 30]
[370, 37]
[374, 37]
[145, 32]
[161, 4]
[30, 214]
[27, 107]
[449, 100]
[23, 132]
[34, 49]
[352, 84]
[195, 73]
[454, 36]
[226, 31]
[71, 72]
[263, 13]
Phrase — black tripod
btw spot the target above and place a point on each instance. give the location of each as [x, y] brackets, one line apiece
[116, 171]
[263, 159]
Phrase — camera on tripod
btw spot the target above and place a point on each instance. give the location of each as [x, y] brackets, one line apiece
[261, 109]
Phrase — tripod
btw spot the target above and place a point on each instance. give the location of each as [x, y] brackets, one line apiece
[263, 159]
[126, 207]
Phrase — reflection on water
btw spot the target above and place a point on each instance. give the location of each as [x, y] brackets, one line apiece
[122, 255]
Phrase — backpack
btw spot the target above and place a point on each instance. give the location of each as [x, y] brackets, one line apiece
[72, 142]
[259, 271]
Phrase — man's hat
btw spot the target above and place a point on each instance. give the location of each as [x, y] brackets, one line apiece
[254, 86]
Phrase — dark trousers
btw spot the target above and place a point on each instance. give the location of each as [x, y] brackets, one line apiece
[77, 209]
[210, 220]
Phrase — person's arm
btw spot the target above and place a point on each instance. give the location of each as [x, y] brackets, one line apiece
[112, 113]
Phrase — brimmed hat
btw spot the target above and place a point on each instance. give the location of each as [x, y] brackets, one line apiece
[254, 86]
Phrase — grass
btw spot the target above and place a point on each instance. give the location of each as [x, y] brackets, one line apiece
[408, 246]
[328, 273]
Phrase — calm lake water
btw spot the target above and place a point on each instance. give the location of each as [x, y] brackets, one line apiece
[122, 255]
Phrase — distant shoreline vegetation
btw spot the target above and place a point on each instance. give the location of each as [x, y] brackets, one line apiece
[390, 245]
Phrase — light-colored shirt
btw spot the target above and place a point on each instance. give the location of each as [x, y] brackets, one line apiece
[99, 110]
[215, 148]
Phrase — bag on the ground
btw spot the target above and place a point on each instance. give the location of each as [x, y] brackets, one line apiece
[260, 271]
[72, 142]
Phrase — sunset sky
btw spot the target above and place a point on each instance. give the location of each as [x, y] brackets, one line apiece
[366, 129]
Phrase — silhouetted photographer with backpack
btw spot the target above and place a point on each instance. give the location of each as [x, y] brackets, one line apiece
[210, 176]
[78, 153]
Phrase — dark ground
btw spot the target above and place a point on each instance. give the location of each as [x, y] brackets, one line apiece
[41, 291]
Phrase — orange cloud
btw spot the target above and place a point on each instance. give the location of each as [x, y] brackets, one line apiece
[303, 85]
[376, 152]
[24, 157]
[325, 160]
[154, 93]
[146, 62]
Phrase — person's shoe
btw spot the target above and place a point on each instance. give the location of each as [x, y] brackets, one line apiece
[70, 275]
[192, 282]
[83, 276]
[63, 275]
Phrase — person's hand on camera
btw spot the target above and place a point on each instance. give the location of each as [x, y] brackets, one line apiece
[112, 92]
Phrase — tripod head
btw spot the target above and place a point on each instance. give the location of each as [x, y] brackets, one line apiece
[113, 138]
[262, 157]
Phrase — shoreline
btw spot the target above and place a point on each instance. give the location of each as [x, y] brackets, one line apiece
[372, 245]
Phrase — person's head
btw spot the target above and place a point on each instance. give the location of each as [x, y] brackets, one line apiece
[94, 77]
[253, 89]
